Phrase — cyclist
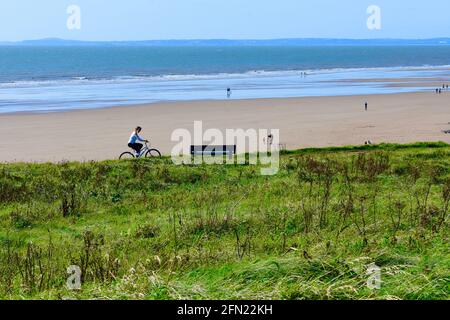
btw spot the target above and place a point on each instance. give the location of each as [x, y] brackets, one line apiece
[135, 137]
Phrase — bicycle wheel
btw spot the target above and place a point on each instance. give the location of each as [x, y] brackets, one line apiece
[153, 153]
[126, 155]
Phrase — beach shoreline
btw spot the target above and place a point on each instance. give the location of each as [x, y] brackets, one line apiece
[101, 134]
[70, 94]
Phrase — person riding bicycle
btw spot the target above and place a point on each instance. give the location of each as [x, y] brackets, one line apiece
[135, 137]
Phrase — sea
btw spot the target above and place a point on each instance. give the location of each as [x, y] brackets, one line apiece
[59, 78]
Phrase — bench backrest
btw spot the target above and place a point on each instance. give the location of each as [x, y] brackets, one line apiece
[213, 150]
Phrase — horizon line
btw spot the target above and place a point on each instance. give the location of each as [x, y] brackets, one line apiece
[55, 39]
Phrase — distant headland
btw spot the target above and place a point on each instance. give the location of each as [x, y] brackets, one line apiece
[228, 42]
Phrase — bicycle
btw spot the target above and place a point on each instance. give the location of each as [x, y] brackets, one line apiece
[146, 152]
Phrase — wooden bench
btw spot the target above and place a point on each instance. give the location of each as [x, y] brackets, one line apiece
[209, 150]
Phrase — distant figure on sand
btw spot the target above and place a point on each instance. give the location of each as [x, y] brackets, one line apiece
[228, 93]
[269, 140]
[365, 106]
[437, 90]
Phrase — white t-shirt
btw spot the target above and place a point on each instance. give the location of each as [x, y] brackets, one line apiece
[135, 137]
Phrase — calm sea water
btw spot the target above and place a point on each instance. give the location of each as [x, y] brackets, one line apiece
[61, 78]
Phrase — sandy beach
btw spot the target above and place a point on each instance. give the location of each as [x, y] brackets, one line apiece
[99, 134]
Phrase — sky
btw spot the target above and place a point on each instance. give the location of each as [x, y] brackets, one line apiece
[106, 20]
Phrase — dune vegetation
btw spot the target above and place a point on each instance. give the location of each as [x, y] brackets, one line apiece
[148, 229]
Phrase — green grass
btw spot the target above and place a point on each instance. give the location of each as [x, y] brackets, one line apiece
[148, 229]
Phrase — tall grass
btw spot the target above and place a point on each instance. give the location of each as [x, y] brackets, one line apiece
[151, 230]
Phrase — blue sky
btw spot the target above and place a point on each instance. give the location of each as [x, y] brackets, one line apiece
[231, 19]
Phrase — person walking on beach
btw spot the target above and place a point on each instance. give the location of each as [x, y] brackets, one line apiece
[228, 93]
[270, 140]
[135, 137]
[365, 106]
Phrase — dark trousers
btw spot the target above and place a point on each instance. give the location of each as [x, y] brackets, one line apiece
[136, 146]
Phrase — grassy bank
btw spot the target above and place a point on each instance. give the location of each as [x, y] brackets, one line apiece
[148, 229]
